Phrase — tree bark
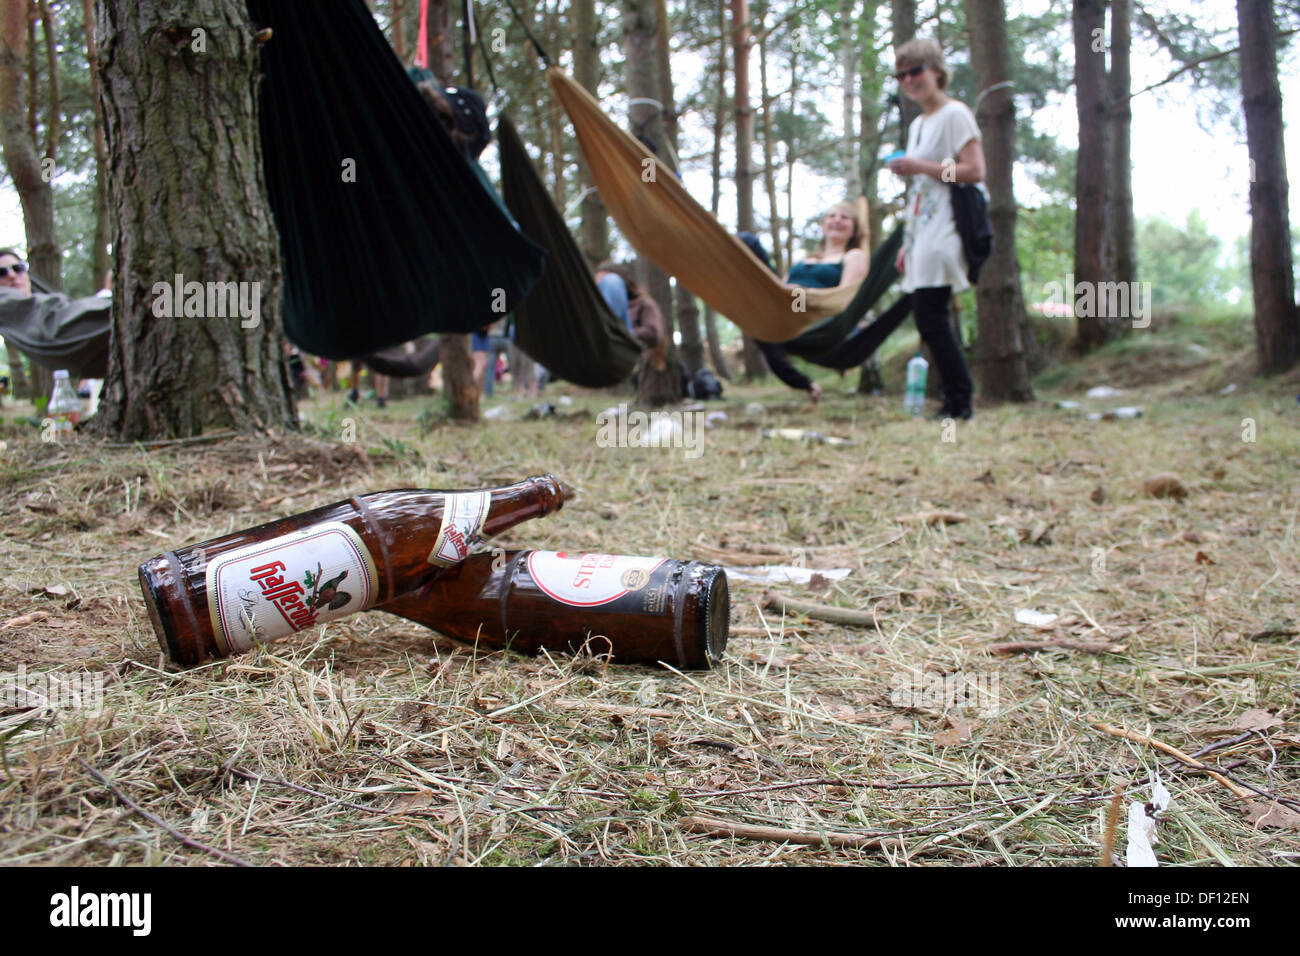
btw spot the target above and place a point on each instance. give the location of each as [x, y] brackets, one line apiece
[870, 88]
[657, 386]
[769, 159]
[1090, 225]
[458, 387]
[715, 161]
[849, 105]
[31, 172]
[189, 200]
[741, 40]
[1123, 265]
[1001, 367]
[1277, 321]
[99, 254]
[903, 19]
[688, 310]
[593, 235]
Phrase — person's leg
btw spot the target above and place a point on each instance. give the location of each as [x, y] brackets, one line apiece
[859, 346]
[614, 290]
[354, 380]
[935, 325]
[381, 389]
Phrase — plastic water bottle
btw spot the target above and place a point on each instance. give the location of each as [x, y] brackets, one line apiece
[64, 407]
[914, 394]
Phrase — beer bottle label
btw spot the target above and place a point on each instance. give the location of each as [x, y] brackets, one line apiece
[463, 514]
[263, 591]
[593, 580]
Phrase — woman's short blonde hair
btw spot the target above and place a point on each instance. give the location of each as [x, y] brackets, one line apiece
[922, 52]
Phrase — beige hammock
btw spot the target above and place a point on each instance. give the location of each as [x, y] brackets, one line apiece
[659, 217]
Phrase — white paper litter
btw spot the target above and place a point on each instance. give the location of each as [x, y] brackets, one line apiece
[1142, 828]
[784, 574]
[755, 408]
[1228, 389]
[714, 418]
[1067, 404]
[1035, 618]
[1103, 391]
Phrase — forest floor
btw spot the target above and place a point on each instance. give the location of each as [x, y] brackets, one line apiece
[927, 737]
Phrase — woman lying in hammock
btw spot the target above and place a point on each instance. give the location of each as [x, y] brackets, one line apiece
[840, 260]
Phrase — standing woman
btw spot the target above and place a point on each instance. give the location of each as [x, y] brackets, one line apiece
[943, 146]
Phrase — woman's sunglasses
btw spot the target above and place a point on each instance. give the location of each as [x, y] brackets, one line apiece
[18, 268]
[914, 71]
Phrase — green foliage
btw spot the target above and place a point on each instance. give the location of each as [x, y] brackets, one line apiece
[1182, 264]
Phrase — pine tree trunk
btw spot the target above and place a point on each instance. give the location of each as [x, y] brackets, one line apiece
[1277, 321]
[458, 387]
[715, 161]
[741, 39]
[593, 235]
[769, 159]
[640, 46]
[1001, 367]
[1120, 166]
[99, 252]
[903, 20]
[188, 197]
[1090, 227]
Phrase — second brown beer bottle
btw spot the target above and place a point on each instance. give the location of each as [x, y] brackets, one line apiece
[223, 596]
[638, 610]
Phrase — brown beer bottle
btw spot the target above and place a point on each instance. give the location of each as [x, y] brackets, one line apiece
[222, 596]
[639, 610]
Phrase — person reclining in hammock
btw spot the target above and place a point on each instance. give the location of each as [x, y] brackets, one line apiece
[840, 260]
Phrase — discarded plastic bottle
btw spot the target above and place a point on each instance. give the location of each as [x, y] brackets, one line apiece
[64, 407]
[914, 393]
[223, 596]
[638, 610]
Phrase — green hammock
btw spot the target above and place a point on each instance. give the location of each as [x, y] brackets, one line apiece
[824, 337]
[564, 323]
[385, 232]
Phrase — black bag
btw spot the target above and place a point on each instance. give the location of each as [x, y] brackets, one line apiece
[970, 212]
[705, 386]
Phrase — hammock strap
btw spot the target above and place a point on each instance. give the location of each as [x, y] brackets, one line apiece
[422, 37]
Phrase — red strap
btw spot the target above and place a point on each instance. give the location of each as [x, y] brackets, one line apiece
[422, 38]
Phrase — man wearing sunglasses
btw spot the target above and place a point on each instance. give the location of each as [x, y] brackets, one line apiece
[13, 272]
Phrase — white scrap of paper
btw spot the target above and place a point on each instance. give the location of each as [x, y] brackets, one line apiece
[1142, 827]
[1035, 618]
[784, 574]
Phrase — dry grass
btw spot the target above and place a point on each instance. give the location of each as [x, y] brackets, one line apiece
[372, 742]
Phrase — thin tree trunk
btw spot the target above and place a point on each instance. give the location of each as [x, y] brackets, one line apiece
[719, 128]
[769, 160]
[1090, 181]
[656, 386]
[189, 204]
[1120, 167]
[1277, 321]
[903, 20]
[688, 309]
[752, 358]
[848, 104]
[19, 100]
[397, 29]
[593, 235]
[870, 89]
[99, 252]
[458, 386]
[1001, 367]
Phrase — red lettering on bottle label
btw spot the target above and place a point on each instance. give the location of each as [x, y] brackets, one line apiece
[589, 580]
[463, 514]
[264, 591]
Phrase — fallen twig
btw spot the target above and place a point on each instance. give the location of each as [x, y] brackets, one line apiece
[1068, 643]
[710, 826]
[24, 619]
[821, 612]
[1173, 752]
[156, 821]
